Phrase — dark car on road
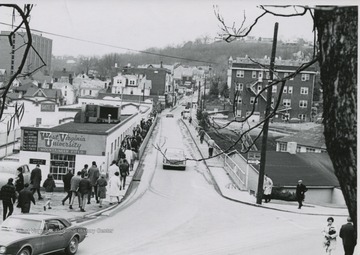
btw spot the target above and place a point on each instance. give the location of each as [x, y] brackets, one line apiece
[32, 234]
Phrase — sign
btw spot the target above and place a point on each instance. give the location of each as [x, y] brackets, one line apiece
[30, 140]
[37, 161]
[47, 107]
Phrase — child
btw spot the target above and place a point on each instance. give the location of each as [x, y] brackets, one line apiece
[49, 185]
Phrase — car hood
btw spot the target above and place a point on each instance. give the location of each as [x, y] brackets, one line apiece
[8, 237]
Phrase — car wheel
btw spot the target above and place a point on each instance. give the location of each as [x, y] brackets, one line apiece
[25, 251]
[73, 246]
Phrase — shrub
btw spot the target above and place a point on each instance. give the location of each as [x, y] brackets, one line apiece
[281, 194]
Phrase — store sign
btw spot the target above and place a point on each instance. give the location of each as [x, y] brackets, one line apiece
[37, 161]
[47, 108]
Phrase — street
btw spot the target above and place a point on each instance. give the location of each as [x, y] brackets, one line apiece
[176, 212]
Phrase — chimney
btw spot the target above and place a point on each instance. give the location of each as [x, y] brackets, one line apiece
[291, 147]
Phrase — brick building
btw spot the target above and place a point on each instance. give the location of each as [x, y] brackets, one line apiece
[246, 79]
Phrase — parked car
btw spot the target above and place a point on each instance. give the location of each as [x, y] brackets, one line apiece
[32, 234]
[174, 158]
[169, 115]
[8, 169]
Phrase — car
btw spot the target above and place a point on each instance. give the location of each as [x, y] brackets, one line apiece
[32, 234]
[169, 115]
[8, 169]
[174, 158]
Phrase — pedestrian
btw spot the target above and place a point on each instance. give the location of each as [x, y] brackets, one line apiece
[25, 198]
[101, 183]
[190, 120]
[93, 174]
[84, 170]
[268, 184]
[67, 185]
[121, 154]
[348, 236]
[114, 187]
[330, 234]
[201, 134]
[211, 144]
[8, 197]
[124, 171]
[113, 168]
[74, 188]
[49, 185]
[300, 193]
[85, 188]
[19, 181]
[130, 158]
[35, 180]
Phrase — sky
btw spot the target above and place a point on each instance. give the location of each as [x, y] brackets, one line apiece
[129, 25]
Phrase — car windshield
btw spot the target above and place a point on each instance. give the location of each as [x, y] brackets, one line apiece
[26, 226]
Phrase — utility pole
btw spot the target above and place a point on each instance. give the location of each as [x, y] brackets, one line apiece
[266, 123]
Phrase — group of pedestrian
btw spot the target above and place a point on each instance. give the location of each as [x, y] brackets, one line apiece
[347, 234]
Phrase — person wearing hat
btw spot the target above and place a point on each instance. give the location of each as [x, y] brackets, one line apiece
[101, 183]
[348, 236]
[8, 197]
[300, 193]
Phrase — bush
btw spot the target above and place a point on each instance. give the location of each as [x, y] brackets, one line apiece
[281, 194]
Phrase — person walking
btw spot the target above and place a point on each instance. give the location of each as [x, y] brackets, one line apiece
[300, 193]
[8, 197]
[35, 180]
[74, 188]
[202, 135]
[85, 188]
[348, 236]
[93, 174]
[101, 183]
[330, 234]
[25, 198]
[124, 171]
[268, 185]
[49, 185]
[67, 184]
[114, 187]
[19, 181]
[84, 170]
[113, 168]
[211, 144]
[130, 158]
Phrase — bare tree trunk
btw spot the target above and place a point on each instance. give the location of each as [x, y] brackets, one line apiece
[337, 38]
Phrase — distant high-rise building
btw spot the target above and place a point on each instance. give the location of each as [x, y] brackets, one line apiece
[11, 55]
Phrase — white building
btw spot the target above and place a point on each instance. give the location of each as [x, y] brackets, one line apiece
[131, 84]
[67, 90]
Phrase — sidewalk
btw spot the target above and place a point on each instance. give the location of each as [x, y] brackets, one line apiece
[228, 190]
[91, 210]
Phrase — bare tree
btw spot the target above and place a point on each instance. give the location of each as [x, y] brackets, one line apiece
[337, 28]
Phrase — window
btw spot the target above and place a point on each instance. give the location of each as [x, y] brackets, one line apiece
[239, 100]
[310, 150]
[118, 82]
[302, 116]
[290, 89]
[131, 82]
[252, 100]
[267, 75]
[304, 90]
[260, 75]
[259, 88]
[60, 165]
[286, 74]
[239, 86]
[272, 101]
[240, 73]
[285, 89]
[303, 103]
[305, 77]
[274, 88]
[112, 147]
[283, 146]
[253, 75]
[90, 92]
[287, 102]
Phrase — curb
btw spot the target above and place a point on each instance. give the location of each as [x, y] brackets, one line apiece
[247, 203]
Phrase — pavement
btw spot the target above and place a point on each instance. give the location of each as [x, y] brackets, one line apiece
[228, 189]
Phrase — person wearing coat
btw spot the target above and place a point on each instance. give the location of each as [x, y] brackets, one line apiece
[8, 197]
[25, 198]
[67, 180]
[74, 188]
[93, 174]
[124, 171]
[300, 193]
[330, 234]
[268, 185]
[113, 168]
[101, 183]
[35, 180]
[19, 183]
[84, 190]
[114, 187]
[49, 185]
[348, 236]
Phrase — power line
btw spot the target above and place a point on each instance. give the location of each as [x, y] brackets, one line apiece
[115, 46]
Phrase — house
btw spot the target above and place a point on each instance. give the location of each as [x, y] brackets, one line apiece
[64, 76]
[40, 94]
[311, 140]
[247, 79]
[131, 84]
[67, 91]
[89, 87]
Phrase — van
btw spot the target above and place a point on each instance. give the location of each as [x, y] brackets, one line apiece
[8, 169]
